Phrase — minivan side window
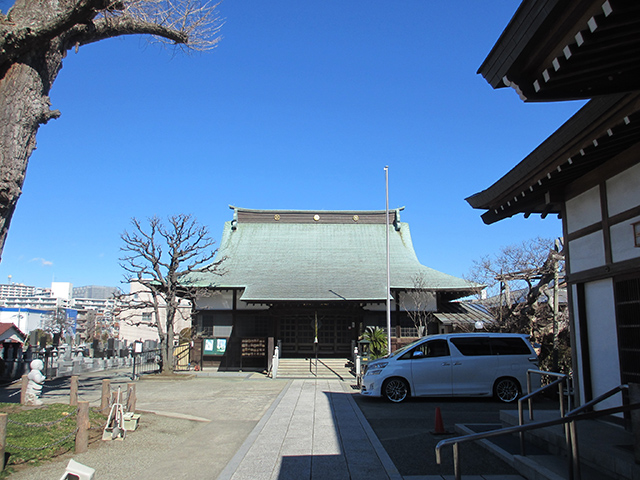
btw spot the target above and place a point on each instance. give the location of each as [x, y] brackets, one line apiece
[470, 346]
[433, 348]
[509, 346]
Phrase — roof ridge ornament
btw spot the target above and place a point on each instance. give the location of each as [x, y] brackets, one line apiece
[396, 221]
[234, 222]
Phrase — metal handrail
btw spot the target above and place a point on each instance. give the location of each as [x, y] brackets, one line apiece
[574, 472]
[599, 399]
[561, 380]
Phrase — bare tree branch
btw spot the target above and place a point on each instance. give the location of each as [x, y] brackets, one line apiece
[160, 256]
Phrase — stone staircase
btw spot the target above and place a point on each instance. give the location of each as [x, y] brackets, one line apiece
[327, 368]
[605, 449]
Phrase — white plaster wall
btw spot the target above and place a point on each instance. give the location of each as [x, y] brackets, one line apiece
[217, 301]
[584, 210]
[586, 252]
[603, 340]
[224, 301]
[427, 302]
[622, 241]
[379, 307]
[623, 190]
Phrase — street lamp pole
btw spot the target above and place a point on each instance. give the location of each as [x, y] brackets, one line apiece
[386, 174]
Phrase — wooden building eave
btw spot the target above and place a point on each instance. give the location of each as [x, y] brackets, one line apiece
[564, 50]
[602, 130]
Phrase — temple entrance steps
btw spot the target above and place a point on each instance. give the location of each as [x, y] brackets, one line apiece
[331, 368]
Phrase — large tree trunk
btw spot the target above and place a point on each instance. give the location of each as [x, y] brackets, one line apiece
[167, 350]
[24, 106]
[35, 36]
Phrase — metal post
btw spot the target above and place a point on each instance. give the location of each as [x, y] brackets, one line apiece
[386, 174]
[530, 400]
[521, 422]
[456, 462]
[574, 455]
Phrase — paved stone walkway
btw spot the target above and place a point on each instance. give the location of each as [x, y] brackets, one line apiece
[313, 430]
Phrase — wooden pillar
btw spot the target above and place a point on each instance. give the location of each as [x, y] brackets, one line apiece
[106, 394]
[270, 350]
[23, 390]
[73, 391]
[82, 435]
[634, 397]
[3, 438]
[131, 397]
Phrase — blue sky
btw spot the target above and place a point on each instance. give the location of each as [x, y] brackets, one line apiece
[300, 106]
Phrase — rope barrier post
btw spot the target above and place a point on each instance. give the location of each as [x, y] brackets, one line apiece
[106, 395]
[23, 390]
[131, 397]
[3, 438]
[73, 391]
[82, 434]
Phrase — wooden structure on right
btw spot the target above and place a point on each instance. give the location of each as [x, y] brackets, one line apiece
[587, 172]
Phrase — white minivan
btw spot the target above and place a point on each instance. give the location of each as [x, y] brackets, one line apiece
[455, 364]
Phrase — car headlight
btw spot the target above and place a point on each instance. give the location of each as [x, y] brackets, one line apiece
[376, 368]
[379, 365]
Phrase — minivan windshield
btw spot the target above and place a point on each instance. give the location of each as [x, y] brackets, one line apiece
[400, 351]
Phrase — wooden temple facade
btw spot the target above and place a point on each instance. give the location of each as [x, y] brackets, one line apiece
[311, 282]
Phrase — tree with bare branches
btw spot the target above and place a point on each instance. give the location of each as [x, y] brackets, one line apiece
[160, 257]
[525, 282]
[34, 39]
[419, 303]
[58, 324]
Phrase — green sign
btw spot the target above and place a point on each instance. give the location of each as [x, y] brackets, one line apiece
[215, 346]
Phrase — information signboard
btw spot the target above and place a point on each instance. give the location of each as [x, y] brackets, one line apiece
[214, 346]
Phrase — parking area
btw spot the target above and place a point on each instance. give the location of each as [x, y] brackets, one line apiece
[404, 430]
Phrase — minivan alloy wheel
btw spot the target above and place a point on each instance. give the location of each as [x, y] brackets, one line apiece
[507, 390]
[396, 390]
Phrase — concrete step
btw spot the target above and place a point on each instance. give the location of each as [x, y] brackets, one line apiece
[306, 368]
[605, 449]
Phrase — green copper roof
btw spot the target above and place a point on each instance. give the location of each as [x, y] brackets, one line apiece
[319, 256]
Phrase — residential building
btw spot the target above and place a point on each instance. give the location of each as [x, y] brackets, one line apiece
[16, 290]
[137, 321]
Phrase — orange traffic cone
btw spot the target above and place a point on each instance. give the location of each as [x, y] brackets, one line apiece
[439, 425]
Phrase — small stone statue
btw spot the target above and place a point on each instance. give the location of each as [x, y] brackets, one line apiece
[34, 387]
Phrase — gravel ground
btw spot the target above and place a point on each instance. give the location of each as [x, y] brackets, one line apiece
[141, 451]
[189, 428]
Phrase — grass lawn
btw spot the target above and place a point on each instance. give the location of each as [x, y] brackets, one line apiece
[37, 434]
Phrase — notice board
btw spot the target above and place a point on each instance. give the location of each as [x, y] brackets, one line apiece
[214, 346]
